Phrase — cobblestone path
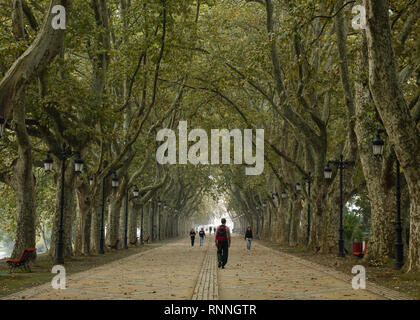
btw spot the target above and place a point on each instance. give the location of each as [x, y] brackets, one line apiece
[178, 271]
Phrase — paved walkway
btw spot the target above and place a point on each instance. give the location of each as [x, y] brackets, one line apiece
[179, 271]
[266, 274]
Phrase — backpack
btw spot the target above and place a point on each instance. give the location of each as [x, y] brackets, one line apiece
[221, 234]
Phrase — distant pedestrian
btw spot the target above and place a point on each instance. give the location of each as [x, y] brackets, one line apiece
[202, 234]
[222, 240]
[210, 229]
[248, 238]
[192, 235]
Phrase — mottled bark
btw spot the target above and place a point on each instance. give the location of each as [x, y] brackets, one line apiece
[394, 112]
[83, 221]
[69, 206]
[115, 219]
[377, 172]
[40, 53]
[96, 221]
[133, 214]
[25, 236]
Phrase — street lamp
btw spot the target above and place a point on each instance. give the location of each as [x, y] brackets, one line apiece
[78, 164]
[328, 174]
[2, 125]
[135, 195]
[48, 163]
[298, 187]
[90, 180]
[275, 197]
[378, 146]
[115, 183]
[284, 194]
[378, 149]
[63, 155]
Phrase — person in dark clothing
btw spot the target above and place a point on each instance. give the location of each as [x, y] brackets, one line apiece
[192, 235]
[248, 238]
[222, 240]
[202, 234]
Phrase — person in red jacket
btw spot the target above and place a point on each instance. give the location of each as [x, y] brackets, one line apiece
[222, 241]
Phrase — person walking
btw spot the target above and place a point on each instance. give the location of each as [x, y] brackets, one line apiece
[202, 234]
[222, 240]
[248, 238]
[192, 235]
[210, 229]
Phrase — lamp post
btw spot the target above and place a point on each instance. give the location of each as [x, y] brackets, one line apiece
[166, 235]
[328, 174]
[2, 125]
[378, 149]
[153, 218]
[308, 229]
[135, 195]
[159, 203]
[64, 154]
[141, 224]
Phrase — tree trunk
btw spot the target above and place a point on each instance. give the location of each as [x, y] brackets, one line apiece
[394, 112]
[69, 195]
[379, 182]
[25, 237]
[116, 220]
[45, 47]
[95, 230]
[132, 223]
[83, 222]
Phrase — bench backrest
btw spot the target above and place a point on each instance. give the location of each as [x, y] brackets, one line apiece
[357, 247]
[27, 254]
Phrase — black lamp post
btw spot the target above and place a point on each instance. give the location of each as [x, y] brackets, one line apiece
[2, 125]
[378, 149]
[308, 230]
[159, 203]
[166, 235]
[141, 226]
[135, 195]
[64, 154]
[153, 219]
[328, 174]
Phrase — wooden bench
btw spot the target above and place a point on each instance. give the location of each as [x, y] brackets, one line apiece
[358, 249]
[26, 256]
[134, 242]
[114, 245]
